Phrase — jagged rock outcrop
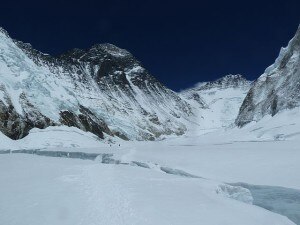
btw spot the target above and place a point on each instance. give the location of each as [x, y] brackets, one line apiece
[277, 89]
[217, 102]
[104, 90]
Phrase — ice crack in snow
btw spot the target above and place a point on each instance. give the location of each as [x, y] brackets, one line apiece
[105, 158]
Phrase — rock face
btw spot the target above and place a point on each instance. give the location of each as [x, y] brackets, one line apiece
[217, 103]
[104, 90]
[277, 89]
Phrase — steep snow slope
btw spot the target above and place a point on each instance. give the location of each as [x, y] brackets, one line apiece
[282, 126]
[103, 89]
[277, 89]
[217, 103]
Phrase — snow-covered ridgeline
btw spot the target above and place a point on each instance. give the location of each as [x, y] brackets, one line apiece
[277, 89]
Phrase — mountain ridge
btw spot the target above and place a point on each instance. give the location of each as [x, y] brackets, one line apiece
[105, 91]
[277, 89]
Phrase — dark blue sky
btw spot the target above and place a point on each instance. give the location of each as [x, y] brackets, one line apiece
[179, 42]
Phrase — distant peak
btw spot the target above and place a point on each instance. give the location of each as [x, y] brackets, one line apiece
[233, 77]
[97, 51]
[110, 49]
[228, 81]
[106, 46]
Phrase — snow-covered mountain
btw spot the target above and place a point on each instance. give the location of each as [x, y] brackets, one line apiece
[217, 103]
[277, 89]
[104, 90]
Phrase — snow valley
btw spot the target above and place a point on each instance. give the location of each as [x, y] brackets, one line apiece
[91, 137]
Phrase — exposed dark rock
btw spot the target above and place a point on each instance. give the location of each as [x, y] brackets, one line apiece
[154, 119]
[17, 126]
[85, 121]
[120, 135]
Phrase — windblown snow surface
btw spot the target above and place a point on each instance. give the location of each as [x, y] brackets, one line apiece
[194, 179]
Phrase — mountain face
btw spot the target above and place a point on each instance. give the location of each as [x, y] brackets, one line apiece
[277, 89]
[104, 90]
[217, 103]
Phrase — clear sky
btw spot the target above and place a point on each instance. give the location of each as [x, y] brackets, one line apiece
[179, 42]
